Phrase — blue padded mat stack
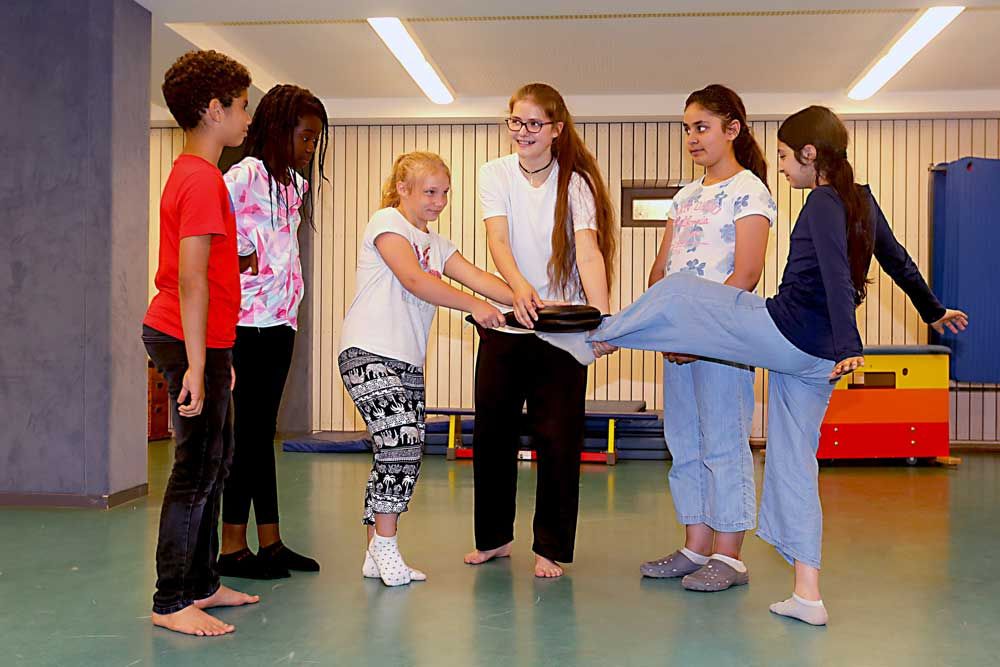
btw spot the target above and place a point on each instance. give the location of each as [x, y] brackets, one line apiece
[635, 437]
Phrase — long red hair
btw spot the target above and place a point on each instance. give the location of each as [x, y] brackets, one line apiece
[573, 157]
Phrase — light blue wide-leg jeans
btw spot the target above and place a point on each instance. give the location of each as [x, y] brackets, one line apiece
[691, 315]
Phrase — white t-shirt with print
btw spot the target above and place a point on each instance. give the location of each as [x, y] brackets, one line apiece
[385, 318]
[530, 213]
[705, 218]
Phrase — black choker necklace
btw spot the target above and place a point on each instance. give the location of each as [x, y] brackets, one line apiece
[529, 173]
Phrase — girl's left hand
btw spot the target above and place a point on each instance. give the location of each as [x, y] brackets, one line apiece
[232, 378]
[602, 349]
[955, 320]
[846, 366]
[679, 359]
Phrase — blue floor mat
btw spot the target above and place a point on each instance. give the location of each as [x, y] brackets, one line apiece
[327, 441]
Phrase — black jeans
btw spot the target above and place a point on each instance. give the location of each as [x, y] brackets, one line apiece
[514, 369]
[188, 542]
[262, 357]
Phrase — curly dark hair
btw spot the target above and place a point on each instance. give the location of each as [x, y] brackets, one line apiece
[198, 77]
[271, 134]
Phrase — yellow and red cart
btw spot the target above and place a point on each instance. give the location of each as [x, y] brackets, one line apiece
[897, 406]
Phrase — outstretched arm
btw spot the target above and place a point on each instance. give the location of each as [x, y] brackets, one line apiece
[398, 256]
[460, 269]
[526, 300]
[896, 262]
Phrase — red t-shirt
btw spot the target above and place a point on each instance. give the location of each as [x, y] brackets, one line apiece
[195, 202]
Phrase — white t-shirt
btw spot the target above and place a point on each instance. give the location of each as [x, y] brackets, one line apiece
[385, 318]
[705, 219]
[530, 213]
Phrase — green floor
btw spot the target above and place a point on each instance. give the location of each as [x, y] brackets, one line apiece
[910, 579]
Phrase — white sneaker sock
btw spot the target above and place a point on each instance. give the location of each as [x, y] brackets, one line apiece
[388, 560]
[574, 343]
[695, 557]
[734, 563]
[808, 611]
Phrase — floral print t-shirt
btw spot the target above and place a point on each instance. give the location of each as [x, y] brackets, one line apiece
[265, 224]
[705, 218]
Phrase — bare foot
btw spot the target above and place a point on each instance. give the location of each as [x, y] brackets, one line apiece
[547, 568]
[226, 597]
[192, 621]
[478, 557]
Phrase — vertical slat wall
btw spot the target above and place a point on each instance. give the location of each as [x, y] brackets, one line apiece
[891, 155]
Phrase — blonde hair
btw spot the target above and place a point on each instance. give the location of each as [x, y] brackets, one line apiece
[405, 169]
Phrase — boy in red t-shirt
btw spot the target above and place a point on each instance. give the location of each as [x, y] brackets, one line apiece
[189, 331]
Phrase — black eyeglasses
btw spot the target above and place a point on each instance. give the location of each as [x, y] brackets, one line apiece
[532, 126]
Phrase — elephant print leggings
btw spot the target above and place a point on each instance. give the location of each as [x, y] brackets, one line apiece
[390, 396]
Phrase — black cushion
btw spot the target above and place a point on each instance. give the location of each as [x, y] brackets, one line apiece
[562, 319]
[559, 319]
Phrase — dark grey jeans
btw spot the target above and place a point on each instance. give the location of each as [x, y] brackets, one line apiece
[188, 543]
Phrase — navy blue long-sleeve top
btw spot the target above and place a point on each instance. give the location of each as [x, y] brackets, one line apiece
[814, 307]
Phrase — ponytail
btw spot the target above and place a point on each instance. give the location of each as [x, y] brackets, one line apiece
[405, 169]
[726, 104]
[749, 154]
[860, 236]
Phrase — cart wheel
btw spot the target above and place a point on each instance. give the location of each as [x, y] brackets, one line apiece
[912, 461]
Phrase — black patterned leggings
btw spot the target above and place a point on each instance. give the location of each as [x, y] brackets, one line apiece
[390, 396]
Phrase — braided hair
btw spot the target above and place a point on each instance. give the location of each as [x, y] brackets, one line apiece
[270, 139]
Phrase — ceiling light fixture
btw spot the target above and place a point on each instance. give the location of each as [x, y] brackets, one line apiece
[916, 36]
[395, 36]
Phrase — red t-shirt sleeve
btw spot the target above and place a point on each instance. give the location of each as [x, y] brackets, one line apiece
[201, 199]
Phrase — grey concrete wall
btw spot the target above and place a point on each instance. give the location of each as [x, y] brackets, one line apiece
[74, 203]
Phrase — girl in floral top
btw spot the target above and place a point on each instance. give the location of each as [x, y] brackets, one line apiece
[270, 198]
[717, 229]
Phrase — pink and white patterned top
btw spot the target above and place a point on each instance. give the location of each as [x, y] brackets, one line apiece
[265, 225]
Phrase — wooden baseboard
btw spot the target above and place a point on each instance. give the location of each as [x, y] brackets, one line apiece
[103, 502]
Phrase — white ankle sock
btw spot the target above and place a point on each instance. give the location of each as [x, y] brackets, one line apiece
[695, 557]
[808, 611]
[370, 570]
[734, 563]
[391, 567]
[808, 603]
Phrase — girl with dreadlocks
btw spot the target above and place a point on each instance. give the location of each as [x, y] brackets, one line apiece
[270, 196]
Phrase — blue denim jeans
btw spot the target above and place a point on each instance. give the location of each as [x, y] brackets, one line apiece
[707, 416]
[687, 314]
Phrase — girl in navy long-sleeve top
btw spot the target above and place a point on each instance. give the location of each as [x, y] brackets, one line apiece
[815, 304]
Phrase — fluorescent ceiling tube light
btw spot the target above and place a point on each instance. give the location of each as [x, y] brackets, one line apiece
[392, 31]
[919, 33]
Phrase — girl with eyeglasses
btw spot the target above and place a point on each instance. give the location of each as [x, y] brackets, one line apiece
[550, 230]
